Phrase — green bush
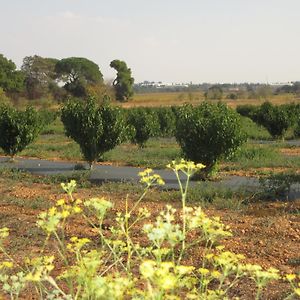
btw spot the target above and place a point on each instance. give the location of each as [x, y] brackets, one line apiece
[246, 110]
[48, 116]
[18, 128]
[167, 121]
[208, 132]
[145, 123]
[275, 119]
[96, 129]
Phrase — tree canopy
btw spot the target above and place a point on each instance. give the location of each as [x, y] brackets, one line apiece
[11, 80]
[39, 74]
[78, 73]
[124, 82]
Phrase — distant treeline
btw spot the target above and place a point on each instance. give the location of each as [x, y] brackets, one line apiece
[218, 91]
[73, 76]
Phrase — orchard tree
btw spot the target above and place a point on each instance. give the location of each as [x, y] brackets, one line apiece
[209, 132]
[11, 80]
[78, 73]
[39, 75]
[144, 124]
[96, 129]
[18, 128]
[276, 119]
[124, 82]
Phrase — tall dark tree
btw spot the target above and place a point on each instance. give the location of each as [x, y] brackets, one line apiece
[78, 73]
[39, 75]
[11, 80]
[124, 82]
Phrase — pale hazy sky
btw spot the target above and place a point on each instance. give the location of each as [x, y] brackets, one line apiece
[161, 40]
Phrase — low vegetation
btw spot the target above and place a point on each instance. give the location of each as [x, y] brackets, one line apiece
[97, 129]
[208, 133]
[114, 265]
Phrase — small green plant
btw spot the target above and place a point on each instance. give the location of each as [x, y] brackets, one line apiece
[278, 185]
[208, 132]
[167, 121]
[145, 124]
[18, 128]
[276, 119]
[96, 129]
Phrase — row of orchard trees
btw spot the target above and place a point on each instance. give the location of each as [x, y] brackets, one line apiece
[206, 133]
[75, 76]
[277, 119]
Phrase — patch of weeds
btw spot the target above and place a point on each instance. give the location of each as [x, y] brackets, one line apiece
[258, 156]
[36, 203]
[252, 152]
[121, 187]
[234, 203]
[278, 185]
[253, 130]
[14, 174]
[81, 177]
[157, 153]
[218, 196]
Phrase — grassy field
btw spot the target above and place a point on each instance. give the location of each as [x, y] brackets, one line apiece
[179, 98]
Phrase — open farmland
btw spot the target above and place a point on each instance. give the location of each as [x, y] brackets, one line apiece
[262, 225]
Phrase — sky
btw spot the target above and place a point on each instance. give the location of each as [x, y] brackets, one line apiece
[175, 41]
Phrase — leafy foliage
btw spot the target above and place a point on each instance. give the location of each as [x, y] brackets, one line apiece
[246, 110]
[48, 116]
[145, 124]
[78, 73]
[96, 129]
[167, 121]
[124, 82]
[39, 74]
[275, 119]
[11, 80]
[18, 128]
[208, 132]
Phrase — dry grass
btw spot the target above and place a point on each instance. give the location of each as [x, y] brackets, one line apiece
[179, 98]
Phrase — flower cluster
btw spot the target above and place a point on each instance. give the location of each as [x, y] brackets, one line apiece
[150, 179]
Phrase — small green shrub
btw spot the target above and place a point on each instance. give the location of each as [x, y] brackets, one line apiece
[96, 129]
[278, 185]
[246, 110]
[145, 124]
[208, 132]
[48, 116]
[275, 119]
[167, 121]
[18, 128]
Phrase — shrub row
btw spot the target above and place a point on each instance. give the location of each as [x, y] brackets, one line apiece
[206, 133]
[276, 119]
